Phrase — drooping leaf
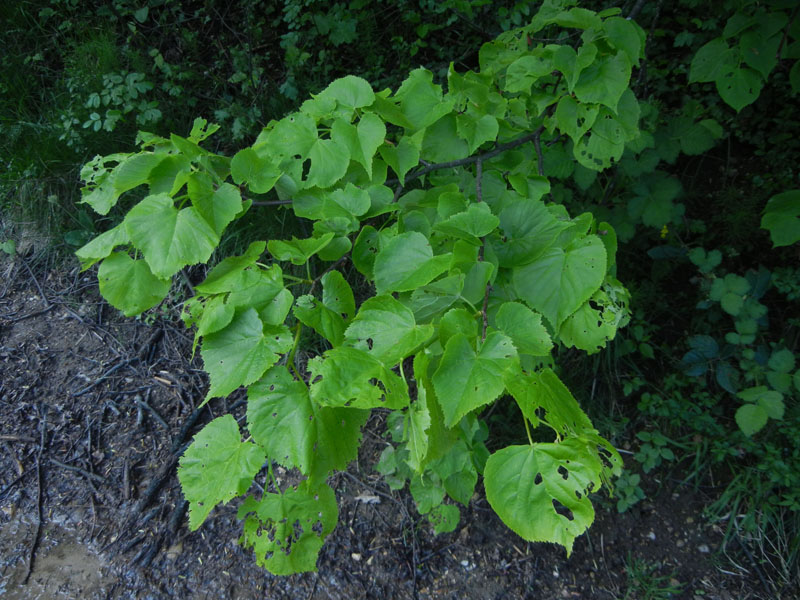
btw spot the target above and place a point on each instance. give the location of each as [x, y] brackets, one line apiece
[228, 275]
[298, 251]
[562, 279]
[421, 101]
[313, 313]
[169, 238]
[528, 230]
[135, 170]
[257, 171]
[362, 140]
[466, 379]
[470, 225]
[217, 466]
[739, 87]
[386, 329]
[525, 329]
[286, 530]
[337, 295]
[544, 480]
[129, 285]
[433, 299]
[102, 246]
[297, 432]
[350, 377]
[712, 61]
[405, 156]
[782, 218]
[217, 206]
[329, 162]
[239, 354]
[407, 262]
[604, 80]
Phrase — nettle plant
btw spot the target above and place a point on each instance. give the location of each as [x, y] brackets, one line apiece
[440, 201]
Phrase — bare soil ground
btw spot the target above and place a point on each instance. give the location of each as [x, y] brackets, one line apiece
[95, 410]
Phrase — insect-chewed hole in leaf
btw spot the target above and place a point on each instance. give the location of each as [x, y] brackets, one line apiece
[538, 479]
[317, 379]
[605, 456]
[578, 494]
[274, 415]
[594, 305]
[563, 510]
[317, 527]
[369, 343]
[306, 168]
[563, 472]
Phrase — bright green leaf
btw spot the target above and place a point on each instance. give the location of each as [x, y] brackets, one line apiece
[169, 239]
[129, 285]
[239, 354]
[562, 278]
[466, 380]
[216, 467]
[286, 531]
[387, 330]
[407, 262]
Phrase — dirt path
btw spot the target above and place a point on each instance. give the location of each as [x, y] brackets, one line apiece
[94, 411]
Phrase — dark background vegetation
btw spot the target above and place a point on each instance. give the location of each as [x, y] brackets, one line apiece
[76, 82]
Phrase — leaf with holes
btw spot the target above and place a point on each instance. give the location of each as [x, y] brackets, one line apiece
[551, 481]
[286, 530]
[354, 378]
[217, 466]
[386, 329]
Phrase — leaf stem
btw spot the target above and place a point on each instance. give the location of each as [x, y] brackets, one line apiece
[527, 430]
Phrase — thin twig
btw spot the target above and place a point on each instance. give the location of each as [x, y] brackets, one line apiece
[102, 378]
[36, 282]
[38, 532]
[497, 150]
[271, 203]
[143, 403]
[636, 10]
[83, 472]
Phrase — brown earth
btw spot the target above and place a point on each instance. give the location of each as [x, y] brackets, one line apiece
[95, 409]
